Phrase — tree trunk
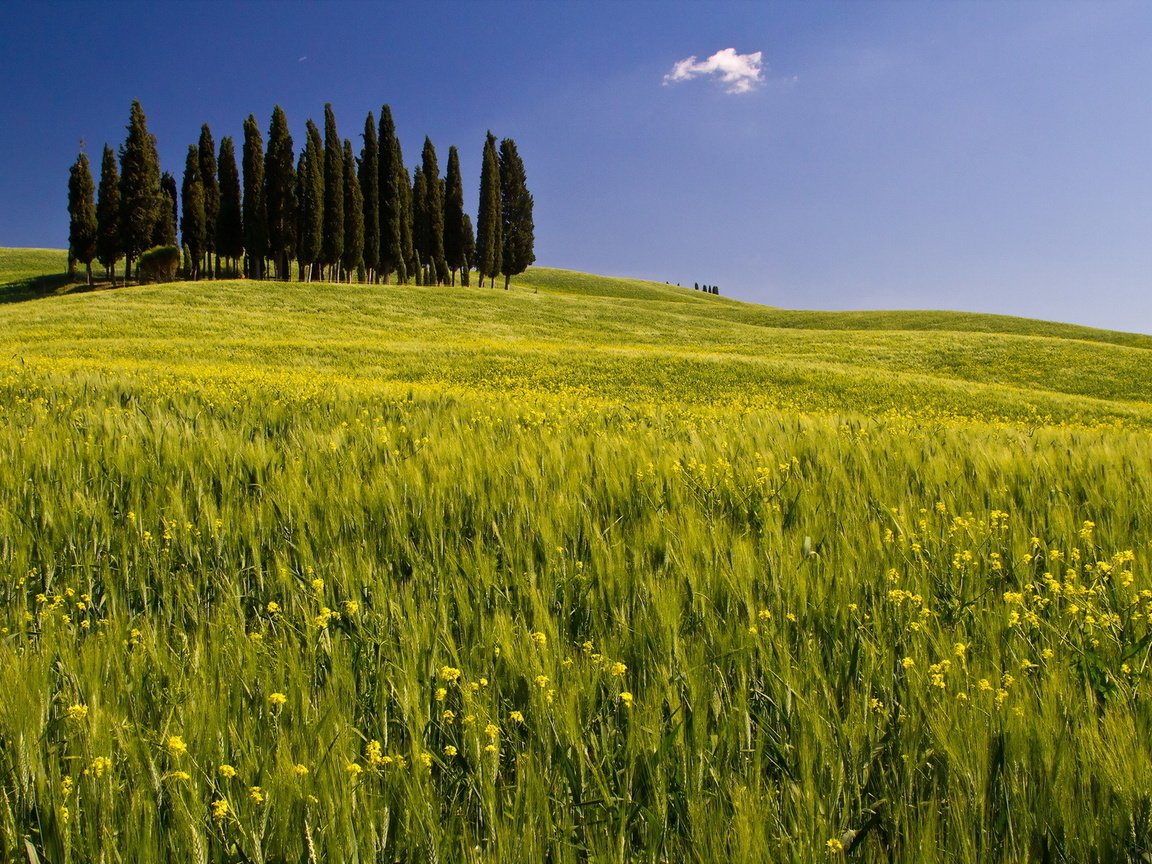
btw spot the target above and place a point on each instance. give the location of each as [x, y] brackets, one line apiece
[507, 279]
[88, 265]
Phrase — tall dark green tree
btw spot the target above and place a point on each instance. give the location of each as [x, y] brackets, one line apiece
[353, 256]
[421, 242]
[108, 248]
[280, 194]
[393, 186]
[489, 238]
[301, 199]
[310, 200]
[82, 225]
[469, 250]
[193, 221]
[229, 224]
[140, 199]
[434, 214]
[207, 147]
[255, 207]
[368, 173]
[517, 227]
[167, 217]
[332, 247]
[454, 216]
[407, 245]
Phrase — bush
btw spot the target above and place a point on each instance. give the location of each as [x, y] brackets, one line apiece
[159, 264]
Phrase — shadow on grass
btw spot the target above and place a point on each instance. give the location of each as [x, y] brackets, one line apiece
[37, 287]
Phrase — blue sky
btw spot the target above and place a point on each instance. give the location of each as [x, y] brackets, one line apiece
[986, 156]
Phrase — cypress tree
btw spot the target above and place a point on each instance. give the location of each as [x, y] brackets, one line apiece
[255, 208]
[168, 216]
[332, 247]
[454, 216]
[369, 178]
[434, 214]
[420, 220]
[211, 193]
[280, 194]
[489, 240]
[353, 214]
[515, 214]
[311, 200]
[139, 188]
[193, 223]
[108, 248]
[301, 177]
[229, 225]
[469, 243]
[407, 244]
[82, 225]
[393, 183]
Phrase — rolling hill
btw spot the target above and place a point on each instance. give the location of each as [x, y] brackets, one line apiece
[592, 570]
[594, 337]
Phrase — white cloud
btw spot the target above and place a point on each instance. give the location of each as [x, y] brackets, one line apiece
[739, 72]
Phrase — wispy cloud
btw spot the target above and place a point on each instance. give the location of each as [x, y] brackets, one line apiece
[740, 73]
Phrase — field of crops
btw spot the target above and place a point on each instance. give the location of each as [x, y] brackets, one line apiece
[591, 570]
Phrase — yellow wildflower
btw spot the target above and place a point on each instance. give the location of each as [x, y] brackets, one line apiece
[100, 766]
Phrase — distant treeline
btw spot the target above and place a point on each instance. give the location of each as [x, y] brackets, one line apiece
[711, 289]
[336, 216]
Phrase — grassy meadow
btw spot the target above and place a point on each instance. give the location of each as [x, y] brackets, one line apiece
[589, 570]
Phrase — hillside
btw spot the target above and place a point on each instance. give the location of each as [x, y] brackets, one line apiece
[593, 570]
[587, 336]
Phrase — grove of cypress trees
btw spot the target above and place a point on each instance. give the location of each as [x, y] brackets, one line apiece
[255, 209]
[454, 215]
[353, 256]
[108, 248]
[310, 200]
[368, 175]
[193, 222]
[515, 214]
[393, 183]
[489, 239]
[139, 188]
[332, 246]
[82, 225]
[434, 214]
[167, 216]
[229, 225]
[280, 194]
[207, 147]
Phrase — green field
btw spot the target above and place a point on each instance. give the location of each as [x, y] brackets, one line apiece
[590, 570]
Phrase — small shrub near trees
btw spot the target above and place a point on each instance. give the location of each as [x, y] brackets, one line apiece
[159, 264]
